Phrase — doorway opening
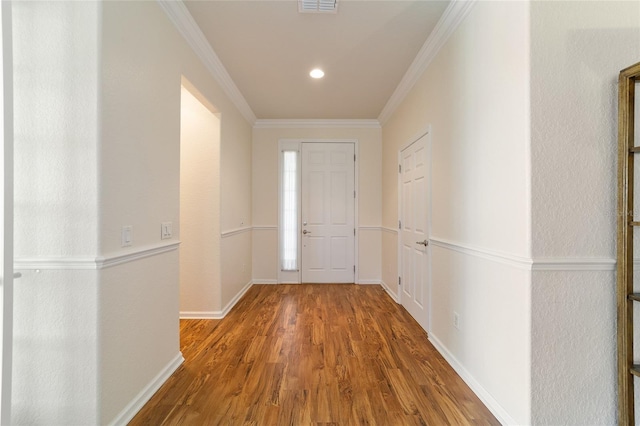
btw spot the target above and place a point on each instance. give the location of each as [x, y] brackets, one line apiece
[199, 228]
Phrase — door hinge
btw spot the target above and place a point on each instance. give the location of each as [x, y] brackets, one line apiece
[354, 194]
[354, 157]
[354, 232]
[354, 269]
[399, 281]
[399, 224]
[399, 168]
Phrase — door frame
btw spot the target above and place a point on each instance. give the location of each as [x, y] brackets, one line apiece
[295, 277]
[425, 131]
[6, 215]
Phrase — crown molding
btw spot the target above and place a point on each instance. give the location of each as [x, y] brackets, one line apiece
[315, 124]
[181, 18]
[450, 20]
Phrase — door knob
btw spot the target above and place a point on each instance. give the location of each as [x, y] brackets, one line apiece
[306, 232]
[424, 243]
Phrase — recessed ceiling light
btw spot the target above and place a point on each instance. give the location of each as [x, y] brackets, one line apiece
[316, 73]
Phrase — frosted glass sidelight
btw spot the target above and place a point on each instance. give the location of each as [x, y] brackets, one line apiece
[289, 225]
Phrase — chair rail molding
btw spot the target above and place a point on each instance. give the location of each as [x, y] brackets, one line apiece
[99, 262]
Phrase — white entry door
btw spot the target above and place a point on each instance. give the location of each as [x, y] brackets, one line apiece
[414, 238]
[328, 206]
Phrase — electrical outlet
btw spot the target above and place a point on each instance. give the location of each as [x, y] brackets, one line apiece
[456, 320]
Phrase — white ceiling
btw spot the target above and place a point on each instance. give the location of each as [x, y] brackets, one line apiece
[268, 49]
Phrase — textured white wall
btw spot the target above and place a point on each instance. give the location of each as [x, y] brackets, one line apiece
[475, 96]
[56, 91]
[56, 115]
[55, 352]
[144, 60]
[199, 207]
[265, 195]
[139, 335]
[98, 128]
[577, 50]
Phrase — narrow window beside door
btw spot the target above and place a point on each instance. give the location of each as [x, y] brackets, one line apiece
[289, 217]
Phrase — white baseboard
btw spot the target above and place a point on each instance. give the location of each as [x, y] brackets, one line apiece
[393, 295]
[493, 405]
[264, 281]
[370, 282]
[235, 300]
[147, 392]
[216, 314]
[200, 314]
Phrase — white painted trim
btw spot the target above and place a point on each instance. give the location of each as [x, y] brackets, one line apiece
[147, 392]
[285, 277]
[200, 314]
[386, 288]
[100, 262]
[496, 256]
[573, 264]
[536, 264]
[266, 281]
[370, 282]
[181, 18]
[55, 263]
[144, 252]
[389, 230]
[424, 132]
[216, 314]
[539, 264]
[235, 300]
[7, 273]
[450, 20]
[236, 231]
[493, 405]
[316, 124]
[265, 228]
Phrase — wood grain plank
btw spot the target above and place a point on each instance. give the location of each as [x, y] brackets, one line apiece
[312, 354]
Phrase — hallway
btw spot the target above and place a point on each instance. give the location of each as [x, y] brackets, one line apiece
[307, 354]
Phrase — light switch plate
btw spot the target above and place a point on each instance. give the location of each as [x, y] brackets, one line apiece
[127, 236]
[166, 230]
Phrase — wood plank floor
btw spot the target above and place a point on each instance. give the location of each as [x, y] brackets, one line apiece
[312, 354]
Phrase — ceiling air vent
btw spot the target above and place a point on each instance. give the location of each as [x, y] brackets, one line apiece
[317, 6]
